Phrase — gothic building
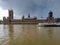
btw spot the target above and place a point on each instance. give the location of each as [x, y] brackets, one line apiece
[28, 20]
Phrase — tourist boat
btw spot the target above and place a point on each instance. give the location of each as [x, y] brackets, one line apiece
[49, 24]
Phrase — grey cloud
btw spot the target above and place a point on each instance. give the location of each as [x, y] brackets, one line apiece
[35, 7]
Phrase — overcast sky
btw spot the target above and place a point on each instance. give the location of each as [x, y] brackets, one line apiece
[34, 7]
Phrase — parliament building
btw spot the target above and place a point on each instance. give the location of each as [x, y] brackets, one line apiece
[29, 20]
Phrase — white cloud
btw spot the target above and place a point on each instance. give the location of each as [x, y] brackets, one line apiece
[3, 13]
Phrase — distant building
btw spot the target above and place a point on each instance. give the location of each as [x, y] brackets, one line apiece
[28, 20]
[1, 21]
[57, 19]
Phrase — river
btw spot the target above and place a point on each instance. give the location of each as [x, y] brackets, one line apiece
[29, 35]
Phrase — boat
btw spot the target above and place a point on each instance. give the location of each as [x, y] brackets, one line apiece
[49, 24]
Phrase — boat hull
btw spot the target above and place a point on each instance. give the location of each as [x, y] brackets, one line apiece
[49, 25]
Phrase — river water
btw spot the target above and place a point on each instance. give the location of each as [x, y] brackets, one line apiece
[29, 35]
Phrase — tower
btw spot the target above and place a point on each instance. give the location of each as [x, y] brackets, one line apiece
[4, 20]
[50, 14]
[10, 14]
[50, 17]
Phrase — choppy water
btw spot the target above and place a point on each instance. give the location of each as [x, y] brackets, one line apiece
[29, 35]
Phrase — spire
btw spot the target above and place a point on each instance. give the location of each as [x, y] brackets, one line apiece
[23, 17]
[29, 15]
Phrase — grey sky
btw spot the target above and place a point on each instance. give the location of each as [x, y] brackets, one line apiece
[35, 7]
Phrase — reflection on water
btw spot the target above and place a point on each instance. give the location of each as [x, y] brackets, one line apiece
[50, 36]
[11, 36]
[29, 35]
[50, 33]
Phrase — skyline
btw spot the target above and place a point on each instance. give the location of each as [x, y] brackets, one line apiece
[34, 7]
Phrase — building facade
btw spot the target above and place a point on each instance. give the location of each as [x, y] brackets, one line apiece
[29, 20]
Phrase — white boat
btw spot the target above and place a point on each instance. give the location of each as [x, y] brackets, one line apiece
[49, 24]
